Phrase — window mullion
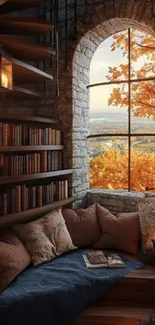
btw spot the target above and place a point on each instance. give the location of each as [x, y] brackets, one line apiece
[129, 112]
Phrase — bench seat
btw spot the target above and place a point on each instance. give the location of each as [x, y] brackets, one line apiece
[128, 302]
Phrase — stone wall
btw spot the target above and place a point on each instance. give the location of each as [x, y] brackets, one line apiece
[95, 22]
[118, 201]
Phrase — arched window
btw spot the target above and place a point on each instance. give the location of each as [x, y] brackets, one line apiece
[122, 113]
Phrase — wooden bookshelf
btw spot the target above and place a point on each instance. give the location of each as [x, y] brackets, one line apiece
[28, 119]
[19, 93]
[10, 219]
[25, 73]
[32, 189]
[15, 179]
[21, 49]
[7, 6]
[24, 26]
[30, 148]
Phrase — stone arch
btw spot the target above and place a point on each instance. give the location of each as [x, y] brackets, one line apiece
[110, 17]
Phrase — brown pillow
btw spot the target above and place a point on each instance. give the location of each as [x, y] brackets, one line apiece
[147, 224]
[122, 232]
[14, 257]
[45, 238]
[83, 225]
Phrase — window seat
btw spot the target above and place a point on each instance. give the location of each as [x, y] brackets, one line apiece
[128, 302]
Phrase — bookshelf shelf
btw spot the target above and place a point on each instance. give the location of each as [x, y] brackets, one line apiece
[7, 6]
[24, 25]
[13, 218]
[19, 93]
[38, 181]
[29, 148]
[24, 50]
[15, 179]
[27, 119]
[25, 73]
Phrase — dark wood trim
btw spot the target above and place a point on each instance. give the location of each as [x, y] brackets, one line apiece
[24, 26]
[30, 148]
[113, 315]
[19, 93]
[25, 73]
[27, 119]
[24, 50]
[25, 178]
[7, 6]
[10, 219]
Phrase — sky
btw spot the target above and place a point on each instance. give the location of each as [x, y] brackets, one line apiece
[102, 59]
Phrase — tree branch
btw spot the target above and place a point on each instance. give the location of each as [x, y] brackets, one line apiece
[146, 104]
[146, 47]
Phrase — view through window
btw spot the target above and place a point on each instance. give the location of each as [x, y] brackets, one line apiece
[122, 113]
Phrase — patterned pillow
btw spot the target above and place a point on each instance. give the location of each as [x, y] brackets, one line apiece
[147, 224]
[45, 238]
[14, 257]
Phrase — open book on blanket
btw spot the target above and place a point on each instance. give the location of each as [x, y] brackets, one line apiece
[96, 259]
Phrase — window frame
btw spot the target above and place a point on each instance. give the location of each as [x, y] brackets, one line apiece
[129, 135]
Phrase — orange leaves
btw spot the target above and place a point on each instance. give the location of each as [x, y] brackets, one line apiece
[110, 170]
[142, 51]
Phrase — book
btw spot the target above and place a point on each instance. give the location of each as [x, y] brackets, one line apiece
[96, 259]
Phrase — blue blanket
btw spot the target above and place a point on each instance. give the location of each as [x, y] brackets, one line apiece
[55, 292]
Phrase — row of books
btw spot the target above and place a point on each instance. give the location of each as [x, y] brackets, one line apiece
[22, 164]
[24, 197]
[19, 134]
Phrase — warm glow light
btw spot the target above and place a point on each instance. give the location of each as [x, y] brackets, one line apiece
[5, 80]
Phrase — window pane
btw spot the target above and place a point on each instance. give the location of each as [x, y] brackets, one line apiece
[143, 107]
[142, 55]
[143, 163]
[109, 109]
[110, 60]
[108, 162]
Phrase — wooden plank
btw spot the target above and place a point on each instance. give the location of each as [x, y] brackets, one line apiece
[30, 148]
[113, 315]
[27, 119]
[7, 6]
[23, 50]
[14, 218]
[148, 272]
[24, 26]
[25, 73]
[19, 93]
[29, 177]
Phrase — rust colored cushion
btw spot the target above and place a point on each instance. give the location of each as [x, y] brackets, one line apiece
[147, 224]
[120, 232]
[14, 257]
[45, 238]
[83, 225]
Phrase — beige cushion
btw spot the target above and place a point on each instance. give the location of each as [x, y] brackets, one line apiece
[120, 232]
[14, 257]
[83, 226]
[147, 224]
[45, 238]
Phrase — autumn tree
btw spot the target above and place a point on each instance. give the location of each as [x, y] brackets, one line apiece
[110, 170]
[142, 55]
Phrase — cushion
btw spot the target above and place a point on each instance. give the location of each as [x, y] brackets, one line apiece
[120, 232]
[83, 225]
[14, 257]
[45, 238]
[147, 223]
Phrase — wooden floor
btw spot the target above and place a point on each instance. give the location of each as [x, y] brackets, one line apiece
[127, 303]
